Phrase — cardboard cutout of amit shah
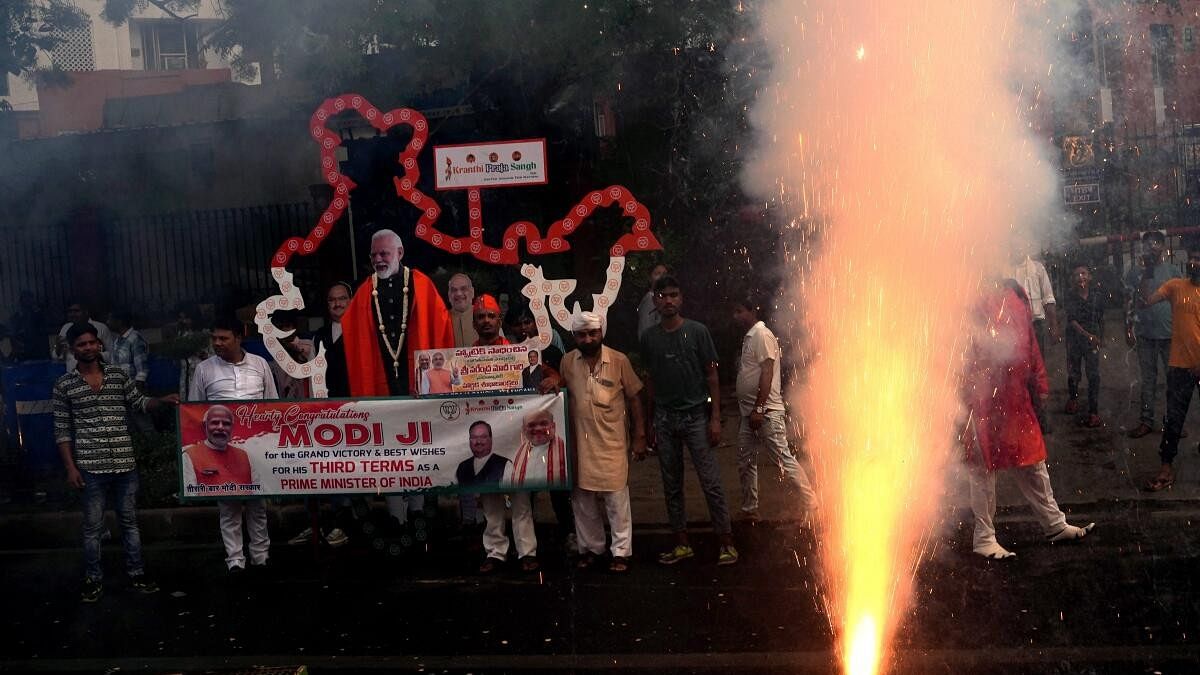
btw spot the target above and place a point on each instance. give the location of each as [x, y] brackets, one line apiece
[397, 310]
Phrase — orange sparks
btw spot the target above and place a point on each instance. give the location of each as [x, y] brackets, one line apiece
[906, 166]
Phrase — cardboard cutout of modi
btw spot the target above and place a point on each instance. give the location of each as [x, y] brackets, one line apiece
[546, 296]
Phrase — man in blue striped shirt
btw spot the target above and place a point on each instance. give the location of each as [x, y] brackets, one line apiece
[92, 432]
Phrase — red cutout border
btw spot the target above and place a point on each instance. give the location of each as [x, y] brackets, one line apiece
[640, 238]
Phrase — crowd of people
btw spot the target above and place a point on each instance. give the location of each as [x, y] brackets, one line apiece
[618, 413]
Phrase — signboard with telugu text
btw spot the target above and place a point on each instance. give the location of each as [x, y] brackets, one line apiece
[463, 370]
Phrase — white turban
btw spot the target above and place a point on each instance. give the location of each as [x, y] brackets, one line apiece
[586, 321]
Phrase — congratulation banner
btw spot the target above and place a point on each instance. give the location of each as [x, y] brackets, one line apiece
[498, 442]
[489, 165]
[490, 368]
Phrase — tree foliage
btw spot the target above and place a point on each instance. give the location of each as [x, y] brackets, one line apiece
[31, 27]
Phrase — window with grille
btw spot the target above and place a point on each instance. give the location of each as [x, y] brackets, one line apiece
[1162, 53]
[74, 50]
[171, 45]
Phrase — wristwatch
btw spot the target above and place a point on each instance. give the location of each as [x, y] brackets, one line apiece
[760, 409]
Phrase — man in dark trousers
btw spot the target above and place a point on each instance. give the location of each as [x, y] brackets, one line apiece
[1183, 367]
[682, 363]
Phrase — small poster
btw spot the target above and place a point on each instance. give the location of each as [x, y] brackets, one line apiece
[488, 165]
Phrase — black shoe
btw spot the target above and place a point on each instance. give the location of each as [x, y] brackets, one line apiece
[143, 584]
[92, 590]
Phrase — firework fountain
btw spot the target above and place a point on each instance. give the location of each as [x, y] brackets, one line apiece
[897, 134]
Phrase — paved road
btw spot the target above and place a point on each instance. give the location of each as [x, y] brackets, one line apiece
[1124, 600]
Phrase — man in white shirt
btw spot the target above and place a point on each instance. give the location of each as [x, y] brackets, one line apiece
[1035, 281]
[77, 312]
[762, 412]
[231, 374]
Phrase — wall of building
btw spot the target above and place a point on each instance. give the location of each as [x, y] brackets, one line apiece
[104, 46]
[1151, 83]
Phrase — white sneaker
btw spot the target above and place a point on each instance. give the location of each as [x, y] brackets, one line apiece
[302, 538]
[336, 538]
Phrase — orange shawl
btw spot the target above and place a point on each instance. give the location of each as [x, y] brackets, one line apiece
[428, 328]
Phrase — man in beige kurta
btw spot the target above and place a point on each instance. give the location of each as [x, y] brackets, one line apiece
[603, 400]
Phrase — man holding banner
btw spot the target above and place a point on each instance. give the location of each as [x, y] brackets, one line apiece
[231, 374]
[603, 388]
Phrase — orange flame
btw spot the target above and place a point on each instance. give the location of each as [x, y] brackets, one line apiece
[911, 170]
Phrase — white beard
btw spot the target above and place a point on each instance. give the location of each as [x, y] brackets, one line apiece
[386, 274]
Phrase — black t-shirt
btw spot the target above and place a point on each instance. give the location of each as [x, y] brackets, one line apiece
[1088, 313]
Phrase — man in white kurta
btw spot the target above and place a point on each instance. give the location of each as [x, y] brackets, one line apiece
[603, 401]
[232, 374]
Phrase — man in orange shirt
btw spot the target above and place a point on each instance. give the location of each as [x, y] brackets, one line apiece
[214, 461]
[1183, 364]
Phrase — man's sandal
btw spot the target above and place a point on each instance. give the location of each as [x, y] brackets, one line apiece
[529, 564]
[1160, 483]
[619, 564]
[1071, 533]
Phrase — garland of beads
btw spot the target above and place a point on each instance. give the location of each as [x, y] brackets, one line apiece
[394, 353]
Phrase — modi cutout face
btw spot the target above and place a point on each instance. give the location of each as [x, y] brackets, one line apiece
[539, 427]
[386, 253]
[218, 425]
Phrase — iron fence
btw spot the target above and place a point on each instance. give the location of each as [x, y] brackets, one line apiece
[152, 264]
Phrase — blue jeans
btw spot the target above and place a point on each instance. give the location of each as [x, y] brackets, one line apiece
[96, 488]
[675, 428]
[1151, 353]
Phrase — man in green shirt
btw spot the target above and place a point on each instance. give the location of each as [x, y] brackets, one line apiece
[682, 364]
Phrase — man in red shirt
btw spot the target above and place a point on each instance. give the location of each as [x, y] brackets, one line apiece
[1002, 429]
